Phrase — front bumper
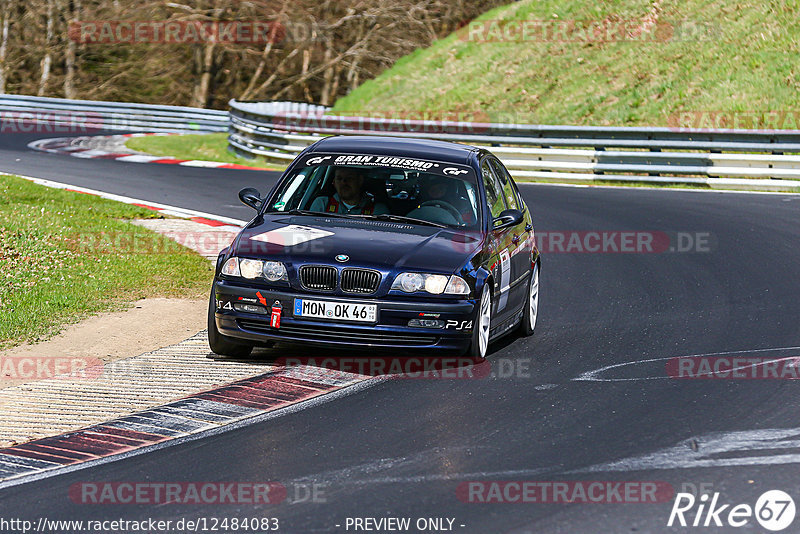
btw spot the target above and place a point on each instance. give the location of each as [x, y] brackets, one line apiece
[391, 331]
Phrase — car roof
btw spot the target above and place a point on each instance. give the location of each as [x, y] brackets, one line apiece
[397, 146]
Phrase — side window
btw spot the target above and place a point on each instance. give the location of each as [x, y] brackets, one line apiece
[494, 191]
[521, 202]
[314, 186]
[508, 186]
[292, 192]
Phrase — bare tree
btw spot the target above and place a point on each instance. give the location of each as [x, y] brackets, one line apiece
[320, 50]
[5, 13]
[73, 15]
[269, 46]
[47, 60]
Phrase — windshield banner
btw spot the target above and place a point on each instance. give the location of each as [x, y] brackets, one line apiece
[389, 162]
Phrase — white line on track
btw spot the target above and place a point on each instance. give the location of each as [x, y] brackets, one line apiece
[768, 446]
[592, 376]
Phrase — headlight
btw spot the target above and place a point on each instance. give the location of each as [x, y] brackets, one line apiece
[251, 269]
[409, 282]
[436, 284]
[274, 271]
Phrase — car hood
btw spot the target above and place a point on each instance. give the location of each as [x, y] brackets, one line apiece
[381, 245]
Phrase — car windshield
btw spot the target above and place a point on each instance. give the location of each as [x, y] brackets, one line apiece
[387, 187]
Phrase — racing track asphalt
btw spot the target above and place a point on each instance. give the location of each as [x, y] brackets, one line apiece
[402, 447]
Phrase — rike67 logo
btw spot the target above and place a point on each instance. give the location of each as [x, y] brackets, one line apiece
[774, 510]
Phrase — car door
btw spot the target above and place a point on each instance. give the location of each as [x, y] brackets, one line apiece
[521, 238]
[500, 244]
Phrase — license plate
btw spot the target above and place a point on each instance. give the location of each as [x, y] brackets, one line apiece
[339, 311]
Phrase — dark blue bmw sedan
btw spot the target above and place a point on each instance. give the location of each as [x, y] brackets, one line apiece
[379, 242]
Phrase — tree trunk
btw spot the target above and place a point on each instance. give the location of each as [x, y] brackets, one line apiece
[47, 60]
[200, 97]
[352, 74]
[327, 78]
[5, 13]
[306, 64]
[337, 75]
[69, 55]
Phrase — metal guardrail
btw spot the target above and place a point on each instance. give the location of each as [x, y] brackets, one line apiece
[21, 112]
[278, 131]
[251, 137]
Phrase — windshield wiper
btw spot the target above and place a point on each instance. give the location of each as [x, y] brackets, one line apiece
[402, 218]
[313, 213]
[382, 217]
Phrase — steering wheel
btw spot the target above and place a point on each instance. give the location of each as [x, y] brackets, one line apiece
[445, 206]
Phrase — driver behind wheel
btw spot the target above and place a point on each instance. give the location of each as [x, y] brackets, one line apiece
[350, 197]
[444, 193]
[436, 189]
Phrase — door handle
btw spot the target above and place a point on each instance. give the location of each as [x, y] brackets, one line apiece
[528, 228]
[515, 239]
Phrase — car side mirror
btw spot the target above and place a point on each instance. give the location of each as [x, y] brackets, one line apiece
[251, 197]
[507, 219]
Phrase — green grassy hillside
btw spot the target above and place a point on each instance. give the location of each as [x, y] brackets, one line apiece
[722, 56]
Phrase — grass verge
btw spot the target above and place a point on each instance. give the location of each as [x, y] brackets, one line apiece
[67, 255]
[204, 147]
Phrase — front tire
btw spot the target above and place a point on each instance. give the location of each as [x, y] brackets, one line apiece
[531, 312]
[221, 344]
[483, 324]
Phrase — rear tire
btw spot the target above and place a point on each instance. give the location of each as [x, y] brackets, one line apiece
[483, 324]
[221, 344]
[531, 312]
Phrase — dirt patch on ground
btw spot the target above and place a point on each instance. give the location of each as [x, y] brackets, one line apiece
[148, 326]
